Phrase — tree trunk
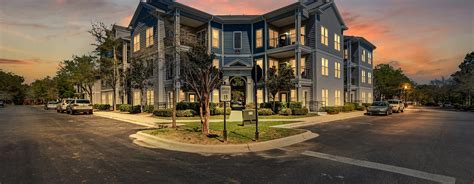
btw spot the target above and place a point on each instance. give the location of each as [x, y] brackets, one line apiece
[114, 82]
[205, 114]
[142, 99]
[173, 123]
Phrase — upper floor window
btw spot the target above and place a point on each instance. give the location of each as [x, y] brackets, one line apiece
[259, 37]
[337, 70]
[149, 37]
[215, 63]
[303, 35]
[337, 42]
[303, 67]
[369, 57]
[369, 76]
[215, 37]
[324, 36]
[293, 65]
[324, 67]
[237, 40]
[273, 35]
[364, 53]
[272, 63]
[346, 54]
[363, 76]
[136, 43]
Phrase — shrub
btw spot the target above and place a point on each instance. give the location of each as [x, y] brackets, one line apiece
[269, 105]
[265, 112]
[102, 107]
[117, 106]
[184, 113]
[333, 110]
[366, 104]
[300, 111]
[348, 107]
[149, 108]
[135, 109]
[220, 111]
[285, 112]
[194, 106]
[125, 108]
[295, 105]
[361, 108]
[163, 112]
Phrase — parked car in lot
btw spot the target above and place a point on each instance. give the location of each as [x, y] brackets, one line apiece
[380, 108]
[62, 106]
[51, 105]
[397, 105]
[80, 106]
[2, 104]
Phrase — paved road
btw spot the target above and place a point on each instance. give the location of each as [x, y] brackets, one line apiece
[414, 147]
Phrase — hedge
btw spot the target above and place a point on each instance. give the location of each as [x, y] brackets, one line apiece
[135, 109]
[124, 108]
[295, 105]
[285, 112]
[149, 108]
[102, 107]
[333, 110]
[265, 112]
[220, 111]
[194, 106]
[300, 111]
[269, 105]
[185, 113]
[163, 112]
[348, 107]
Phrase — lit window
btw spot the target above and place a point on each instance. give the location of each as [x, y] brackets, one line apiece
[149, 37]
[363, 76]
[150, 97]
[192, 98]
[293, 66]
[283, 97]
[369, 75]
[259, 37]
[337, 98]
[324, 67]
[337, 72]
[324, 97]
[273, 38]
[273, 64]
[303, 67]
[370, 98]
[215, 63]
[362, 98]
[292, 36]
[215, 96]
[259, 62]
[369, 56]
[136, 98]
[324, 36]
[182, 96]
[363, 55]
[259, 96]
[237, 40]
[215, 37]
[136, 43]
[293, 96]
[346, 54]
[104, 98]
[303, 35]
[337, 42]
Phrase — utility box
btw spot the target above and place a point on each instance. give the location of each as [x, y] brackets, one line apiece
[249, 115]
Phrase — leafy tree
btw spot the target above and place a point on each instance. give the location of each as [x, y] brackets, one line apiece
[12, 88]
[107, 46]
[200, 76]
[278, 81]
[43, 90]
[464, 78]
[81, 72]
[388, 81]
[140, 74]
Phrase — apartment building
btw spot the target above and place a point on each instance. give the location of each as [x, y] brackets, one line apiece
[358, 69]
[308, 35]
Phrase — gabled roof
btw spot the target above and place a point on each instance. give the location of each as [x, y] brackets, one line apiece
[360, 39]
[141, 6]
[328, 5]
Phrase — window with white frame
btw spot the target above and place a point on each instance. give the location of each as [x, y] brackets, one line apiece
[259, 38]
[324, 97]
[149, 37]
[273, 35]
[136, 43]
[324, 36]
[238, 40]
[136, 98]
[337, 70]
[150, 97]
[362, 97]
[337, 98]
[324, 67]
[364, 53]
[215, 37]
[337, 42]
[363, 76]
[369, 76]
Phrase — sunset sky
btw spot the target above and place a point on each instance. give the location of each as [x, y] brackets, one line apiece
[426, 38]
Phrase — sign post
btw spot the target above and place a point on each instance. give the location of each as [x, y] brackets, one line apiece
[225, 97]
[257, 74]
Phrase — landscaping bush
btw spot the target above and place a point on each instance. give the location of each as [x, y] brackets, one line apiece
[265, 112]
[366, 104]
[102, 107]
[269, 105]
[220, 111]
[300, 111]
[149, 108]
[333, 110]
[194, 106]
[117, 106]
[295, 105]
[124, 108]
[135, 109]
[361, 108]
[348, 107]
[163, 112]
[285, 112]
[184, 113]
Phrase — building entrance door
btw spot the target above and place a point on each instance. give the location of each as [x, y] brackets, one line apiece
[238, 95]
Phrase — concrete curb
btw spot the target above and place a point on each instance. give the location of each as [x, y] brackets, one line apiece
[157, 142]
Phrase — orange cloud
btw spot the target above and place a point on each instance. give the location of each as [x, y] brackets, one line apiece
[126, 20]
[4, 61]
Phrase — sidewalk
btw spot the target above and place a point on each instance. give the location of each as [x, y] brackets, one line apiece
[322, 119]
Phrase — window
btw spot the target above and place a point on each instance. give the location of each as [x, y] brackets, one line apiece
[305, 98]
[272, 63]
[273, 38]
[104, 98]
[259, 96]
[303, 67]
[324, 67]
[283, 97]
[303, 34]
[111, 98]
[369, 55]
[215, 37]
[337, 98]
[293, 96]
[370, 98]
[362, 98]
[292, 36]
[149, 37]
[192, 98]
[237, 40]
[136, 98]
[346, 54]
[216, 63]
[259, 37]
[337, 72]
[363, 55]
[259, 62]
[363, 76]
[324, 36]
[337, 42]
[150, 97]
[136, 43]
[293, 65]
[215, 96]
[182, 96]
[369, 75]
[324, 97]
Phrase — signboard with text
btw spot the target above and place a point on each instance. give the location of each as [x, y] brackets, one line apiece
[225, 94]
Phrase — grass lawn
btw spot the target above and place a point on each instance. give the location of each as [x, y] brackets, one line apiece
[260, 117]
[190, 133]
[194, 118]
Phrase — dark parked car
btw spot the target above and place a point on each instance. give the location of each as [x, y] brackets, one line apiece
[51, 105]
[380, 108]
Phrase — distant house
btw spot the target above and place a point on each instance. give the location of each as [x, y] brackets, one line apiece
[358, 69]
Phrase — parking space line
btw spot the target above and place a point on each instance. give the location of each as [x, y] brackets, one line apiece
[384, 167]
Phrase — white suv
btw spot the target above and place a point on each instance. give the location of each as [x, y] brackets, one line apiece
[397, 105]
[62, 106]
[79, 106]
